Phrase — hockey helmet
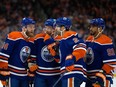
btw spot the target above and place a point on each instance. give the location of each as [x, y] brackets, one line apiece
[50, 22]
[64, 21]
[27, 21]
[98, 22]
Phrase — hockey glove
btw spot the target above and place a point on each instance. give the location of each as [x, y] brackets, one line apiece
[69, 62]
[52, 48]
[4, 69]
[4, 73]
[32, 69]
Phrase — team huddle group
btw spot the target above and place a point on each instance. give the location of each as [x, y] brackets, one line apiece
[57, 56]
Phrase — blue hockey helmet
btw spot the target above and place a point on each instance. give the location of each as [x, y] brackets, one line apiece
[50, 22]
[27, 21]
[64, 21]
[98, 22]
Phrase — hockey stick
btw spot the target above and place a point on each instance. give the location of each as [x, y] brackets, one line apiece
[59, 79]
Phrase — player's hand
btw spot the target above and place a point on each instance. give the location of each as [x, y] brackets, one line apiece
[5, 72]
[33, 68]
[51, 48]
[69, 62]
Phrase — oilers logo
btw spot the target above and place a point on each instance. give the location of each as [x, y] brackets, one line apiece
[89, 56]
[24, 53]
[46, 56]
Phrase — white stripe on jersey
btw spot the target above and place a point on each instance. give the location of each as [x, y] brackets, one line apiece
[6, 55]
[1, 60]
[15, 39]
[48, 74]
[80, 48]
[91, 71]
[16, 67]
[49, 68]
[75, 72]
[18, 74]
[78, 44]
[95, 76]
[69, 36]
[111, 60]
[76, 65]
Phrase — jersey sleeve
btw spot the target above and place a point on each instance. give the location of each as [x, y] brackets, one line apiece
[109, 56]
[78, 46]
[33, 54]
[53, 46]
[48, 40]
[7, 49]
[79, 49]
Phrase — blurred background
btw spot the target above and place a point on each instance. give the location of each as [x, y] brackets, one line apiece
[80, 11]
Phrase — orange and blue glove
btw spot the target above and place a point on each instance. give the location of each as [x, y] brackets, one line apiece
[4, 73]
[69, 62]
[4, 69]
[52, 48]
[32, 70]
[54, 51]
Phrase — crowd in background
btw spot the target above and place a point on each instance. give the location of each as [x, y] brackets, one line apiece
[80, 11]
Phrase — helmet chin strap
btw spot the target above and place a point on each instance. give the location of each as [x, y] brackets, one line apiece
[98, 34]
[61, 32]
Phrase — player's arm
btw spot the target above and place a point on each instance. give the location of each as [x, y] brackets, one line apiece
[32, 61]
[53, 47]
[109, 58]
[6, 51]
[79, 51]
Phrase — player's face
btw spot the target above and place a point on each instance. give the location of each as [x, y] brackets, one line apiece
[49, 30]
[93, 30]
[59, 30]
[30, 30]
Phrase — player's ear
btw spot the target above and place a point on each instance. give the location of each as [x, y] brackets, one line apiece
[63, 28]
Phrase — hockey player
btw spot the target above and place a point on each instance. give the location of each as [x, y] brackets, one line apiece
[72, 51]
[100, 57]
[17, 48]
[49, 70]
